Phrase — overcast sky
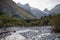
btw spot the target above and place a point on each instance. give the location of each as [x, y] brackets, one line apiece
[40, 4]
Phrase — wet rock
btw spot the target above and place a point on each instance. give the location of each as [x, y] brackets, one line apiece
[43, 33]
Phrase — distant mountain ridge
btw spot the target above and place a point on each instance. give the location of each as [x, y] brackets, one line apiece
[25, 11]
[26, 6]
[56, 9]
[46, 10]
[38, 13]
[12, 8]
[53, 11]
[34, 11]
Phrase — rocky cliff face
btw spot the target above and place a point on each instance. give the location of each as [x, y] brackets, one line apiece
[34, 11]
[46, 11]
[53, 11]
[56, 9]
[38, 13]
[26, 6]
[11, 7]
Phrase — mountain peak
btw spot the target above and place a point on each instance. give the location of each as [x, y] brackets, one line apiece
[11, 8]
[56, 9]
[58, 5]
[27, 4]
[46, 10]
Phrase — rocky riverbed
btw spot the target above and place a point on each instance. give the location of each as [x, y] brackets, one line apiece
[31, 33]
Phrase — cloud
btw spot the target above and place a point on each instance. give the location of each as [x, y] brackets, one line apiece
[55, 0]
[41, 4]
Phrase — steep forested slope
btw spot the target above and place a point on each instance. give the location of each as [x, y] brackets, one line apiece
[14, 10]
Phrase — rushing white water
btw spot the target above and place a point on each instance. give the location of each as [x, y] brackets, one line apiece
[32, 33]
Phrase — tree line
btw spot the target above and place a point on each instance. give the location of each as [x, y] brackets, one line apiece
[8, 21]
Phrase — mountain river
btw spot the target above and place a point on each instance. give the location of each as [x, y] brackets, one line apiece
[30, 33]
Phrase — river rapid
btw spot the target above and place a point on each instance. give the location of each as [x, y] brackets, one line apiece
[31, 33]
